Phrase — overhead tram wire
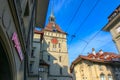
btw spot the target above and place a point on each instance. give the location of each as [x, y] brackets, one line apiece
[95, 35]
[76, 12]
[75, 33]
[85, 19]
[92, 39]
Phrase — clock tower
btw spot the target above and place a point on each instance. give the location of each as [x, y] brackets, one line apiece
[54, 51]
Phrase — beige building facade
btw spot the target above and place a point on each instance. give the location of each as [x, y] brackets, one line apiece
[97, 66]
[53, 56]
[113, 26]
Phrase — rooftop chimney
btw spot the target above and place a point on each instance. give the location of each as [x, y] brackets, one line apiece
[100, 52]
[93, 51]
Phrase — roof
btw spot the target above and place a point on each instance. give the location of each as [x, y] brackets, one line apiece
[38, 32]
[105, 57]
[41, 8]
[49, 27]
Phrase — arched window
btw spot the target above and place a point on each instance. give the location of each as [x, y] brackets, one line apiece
[102, 77]
[109, 77]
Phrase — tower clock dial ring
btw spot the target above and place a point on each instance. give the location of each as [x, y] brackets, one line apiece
[54, 40]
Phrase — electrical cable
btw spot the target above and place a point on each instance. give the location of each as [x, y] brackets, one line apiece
[76, 12]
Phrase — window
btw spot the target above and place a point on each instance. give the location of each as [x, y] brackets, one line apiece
[59, 50]
[110, 77]
[54, 47]
[41, 69]
[60, 58]
[48, 44]
[31, 67]
[32, 53]
[102, 77]
[59, 45]
[118, 29]
[100, 67]
[61, 71]
[48, 57]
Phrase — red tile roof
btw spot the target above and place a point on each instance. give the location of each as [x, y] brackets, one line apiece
[49, 27]
[38, 32]
[104, 57]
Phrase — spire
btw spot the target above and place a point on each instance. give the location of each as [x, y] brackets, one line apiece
[52, 17]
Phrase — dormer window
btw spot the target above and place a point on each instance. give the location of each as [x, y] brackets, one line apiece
[54, 28]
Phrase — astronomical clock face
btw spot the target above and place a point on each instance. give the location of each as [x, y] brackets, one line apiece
[54, 40]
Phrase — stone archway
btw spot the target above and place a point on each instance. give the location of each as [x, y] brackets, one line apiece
[7, 61]
[5, 71]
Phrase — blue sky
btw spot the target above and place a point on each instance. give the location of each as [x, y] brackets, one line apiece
[84, 19]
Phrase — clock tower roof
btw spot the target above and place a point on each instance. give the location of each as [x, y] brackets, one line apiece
[53, 27]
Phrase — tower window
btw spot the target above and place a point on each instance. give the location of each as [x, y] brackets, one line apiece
[48, 57]
[31, 66]
[33, 51]
[59, 45]
[61, 71]
[59, 50]
[60, 58]
[54, 45]
[48, 44]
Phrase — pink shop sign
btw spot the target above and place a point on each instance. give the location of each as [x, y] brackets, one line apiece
[17, 45]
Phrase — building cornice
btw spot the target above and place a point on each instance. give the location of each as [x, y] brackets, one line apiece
[112, 23]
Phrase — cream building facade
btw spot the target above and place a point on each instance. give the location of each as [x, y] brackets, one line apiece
[114, 26]
[53, 58]
[96, 67]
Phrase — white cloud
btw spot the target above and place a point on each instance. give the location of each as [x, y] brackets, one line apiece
[58, 4]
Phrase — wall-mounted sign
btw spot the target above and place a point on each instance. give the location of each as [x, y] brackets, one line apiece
[17, 45]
